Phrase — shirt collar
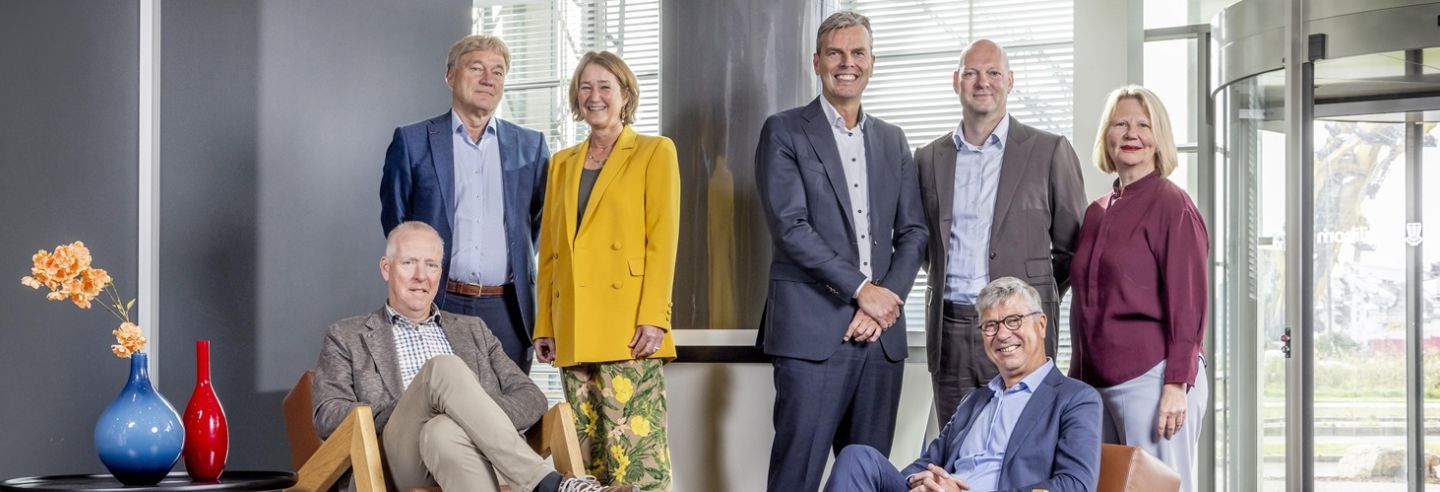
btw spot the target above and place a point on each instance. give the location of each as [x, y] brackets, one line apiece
[1142, 184]
[458, 126]
[997, 137]
[836, 120]
[400, 320]
[1028, 383]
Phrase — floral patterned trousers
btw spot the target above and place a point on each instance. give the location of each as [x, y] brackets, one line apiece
[620, 415]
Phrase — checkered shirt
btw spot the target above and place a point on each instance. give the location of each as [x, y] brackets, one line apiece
[415, 344]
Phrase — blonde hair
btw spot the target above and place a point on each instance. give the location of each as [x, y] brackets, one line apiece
[477, 42]
[617, 67]
[1166, 158]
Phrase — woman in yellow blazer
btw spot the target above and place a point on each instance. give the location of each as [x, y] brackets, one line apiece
[607, 267]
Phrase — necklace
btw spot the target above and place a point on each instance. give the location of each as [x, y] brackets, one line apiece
[597, 150]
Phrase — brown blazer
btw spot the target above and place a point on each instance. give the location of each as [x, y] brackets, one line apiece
[358, 366]
[1038, 207]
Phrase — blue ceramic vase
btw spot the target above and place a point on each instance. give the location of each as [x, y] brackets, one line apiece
[139, 436]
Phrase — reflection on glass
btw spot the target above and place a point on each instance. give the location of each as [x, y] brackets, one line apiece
[1360, 305]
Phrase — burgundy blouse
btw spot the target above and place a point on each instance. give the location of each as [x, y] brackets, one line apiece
[1140, 283]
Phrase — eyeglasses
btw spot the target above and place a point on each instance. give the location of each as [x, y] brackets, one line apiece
[989, 328]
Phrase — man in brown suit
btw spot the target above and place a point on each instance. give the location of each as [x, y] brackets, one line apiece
[1002, 199]
[448, 402]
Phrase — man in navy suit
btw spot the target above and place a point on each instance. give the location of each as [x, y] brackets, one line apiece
[842, 204]
[480, 182]
[1030, 428]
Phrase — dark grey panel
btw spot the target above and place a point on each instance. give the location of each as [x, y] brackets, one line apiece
[68, 151]
[335, 79]
[756, 63]
[208, 218]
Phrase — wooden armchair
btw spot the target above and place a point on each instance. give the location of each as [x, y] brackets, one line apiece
[1128, 469]
[355, 446]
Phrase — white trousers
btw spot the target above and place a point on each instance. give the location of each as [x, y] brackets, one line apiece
[1132, 414]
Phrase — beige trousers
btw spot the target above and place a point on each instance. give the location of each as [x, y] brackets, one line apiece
[446, 430]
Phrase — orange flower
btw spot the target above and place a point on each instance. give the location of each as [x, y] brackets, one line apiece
[66, 272]
[129, 340]
[88, 286]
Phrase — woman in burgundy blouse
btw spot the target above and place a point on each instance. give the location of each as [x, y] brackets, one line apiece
[1139, 278]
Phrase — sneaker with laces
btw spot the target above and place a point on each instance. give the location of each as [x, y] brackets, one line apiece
[589, 484]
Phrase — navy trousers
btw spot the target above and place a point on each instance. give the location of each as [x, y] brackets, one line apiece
[820, 406]
[861, 468]
[502, 315]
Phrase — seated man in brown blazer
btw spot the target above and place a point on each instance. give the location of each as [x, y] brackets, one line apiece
[448, 402]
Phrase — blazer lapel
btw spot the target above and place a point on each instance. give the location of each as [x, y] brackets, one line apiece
[614, 166]
[943, 169]
[1012, 171]
[442, 156]
[570, 192]
[822, 139]
[380, 341]
[1039, 405]
[509, 173]
[968, 412]
[462, 344]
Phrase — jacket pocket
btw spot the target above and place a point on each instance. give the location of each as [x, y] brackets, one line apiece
[637, 266]
[1039, 268]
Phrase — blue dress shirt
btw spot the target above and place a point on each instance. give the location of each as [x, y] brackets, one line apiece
[977, 176]
[479, 253]
[983, 451]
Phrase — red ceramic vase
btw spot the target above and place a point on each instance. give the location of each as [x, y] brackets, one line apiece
[207, 436]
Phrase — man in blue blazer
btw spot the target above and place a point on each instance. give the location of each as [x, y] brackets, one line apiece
[480, 182]
[842, 204]
[1030, 428]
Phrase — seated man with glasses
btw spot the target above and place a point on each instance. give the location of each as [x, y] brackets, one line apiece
[1030, 428]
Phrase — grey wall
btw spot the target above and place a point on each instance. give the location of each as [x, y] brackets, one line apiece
[276, 117]
[209, 58]
[335, 78]
[68, 150]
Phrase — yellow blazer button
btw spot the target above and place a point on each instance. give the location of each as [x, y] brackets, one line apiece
[615, 285]
[615, 246]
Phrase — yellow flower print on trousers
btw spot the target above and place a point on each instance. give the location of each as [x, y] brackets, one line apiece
[622, 413]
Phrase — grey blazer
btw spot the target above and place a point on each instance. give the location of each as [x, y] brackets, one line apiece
[358, 366]
[1038, 207]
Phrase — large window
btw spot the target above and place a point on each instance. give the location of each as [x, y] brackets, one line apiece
[546, 39]
[917, 49]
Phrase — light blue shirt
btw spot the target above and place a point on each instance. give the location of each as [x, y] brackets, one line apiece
[983, 451]
[977, 176]
[478, 254]
[850, 142]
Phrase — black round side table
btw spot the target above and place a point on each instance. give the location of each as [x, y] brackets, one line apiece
[175, 481]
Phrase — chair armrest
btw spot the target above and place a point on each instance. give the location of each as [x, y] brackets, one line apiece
[353, 445]
[555, 436]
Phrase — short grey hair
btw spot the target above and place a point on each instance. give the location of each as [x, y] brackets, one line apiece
[841, 20]
[1006, 288]
[409, 226]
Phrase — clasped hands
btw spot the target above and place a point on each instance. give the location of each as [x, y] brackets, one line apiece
[935, 479]
[879, 309]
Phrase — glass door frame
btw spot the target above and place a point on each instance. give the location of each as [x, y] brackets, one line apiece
[1414, 256]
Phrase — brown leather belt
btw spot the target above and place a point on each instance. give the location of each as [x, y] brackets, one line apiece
[468, 289]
